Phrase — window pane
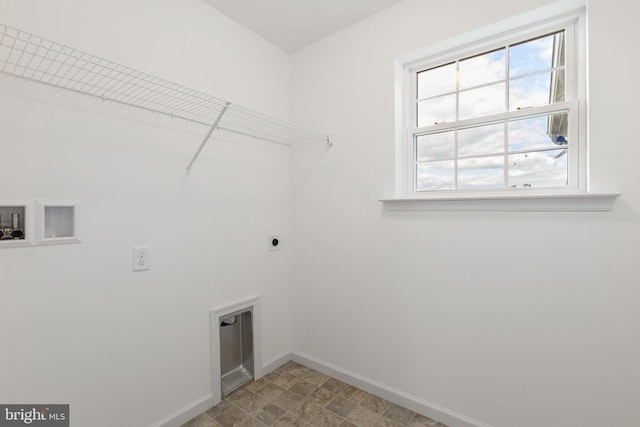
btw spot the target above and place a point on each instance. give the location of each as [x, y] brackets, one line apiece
[538, 169]
[437, 110]
[486, 139]
[437, 81]
[435, 176]
[538, 132]
[435, 146]
[537, 54]
[482, 101]
[534, 91]
[482, 69]
[481, 173]
[485, 143]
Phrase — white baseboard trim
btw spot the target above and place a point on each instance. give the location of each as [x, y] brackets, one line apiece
[428, 409]
[198, 406]
[182, 415]
[414, 403]
[275, 363]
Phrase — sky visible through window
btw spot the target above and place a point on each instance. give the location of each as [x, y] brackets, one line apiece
[513, 78]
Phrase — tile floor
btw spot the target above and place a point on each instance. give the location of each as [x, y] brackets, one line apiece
[296, 396]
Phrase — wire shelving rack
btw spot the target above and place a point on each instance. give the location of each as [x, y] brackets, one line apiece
[38, 59]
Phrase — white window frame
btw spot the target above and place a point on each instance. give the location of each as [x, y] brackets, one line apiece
[568, 15]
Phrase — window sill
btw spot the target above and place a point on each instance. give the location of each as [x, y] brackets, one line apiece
[527, 202]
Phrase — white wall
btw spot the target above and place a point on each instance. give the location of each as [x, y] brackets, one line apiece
[511, 318]
[77, 325]
[514, 319]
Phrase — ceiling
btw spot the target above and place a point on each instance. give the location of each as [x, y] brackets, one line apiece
[294, 24]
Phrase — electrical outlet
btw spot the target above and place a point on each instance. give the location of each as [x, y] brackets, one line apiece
[140, 258]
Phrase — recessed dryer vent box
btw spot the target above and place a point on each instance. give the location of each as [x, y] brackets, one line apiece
[236, 350]
[58, 222]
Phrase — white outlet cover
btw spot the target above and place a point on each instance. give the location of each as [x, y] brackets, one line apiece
[275, 242]
[141, 258]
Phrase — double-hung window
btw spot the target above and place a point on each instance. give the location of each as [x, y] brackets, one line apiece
[505, 114]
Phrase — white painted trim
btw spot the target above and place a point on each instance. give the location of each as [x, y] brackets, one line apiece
[41, 205]
[414, 403]
[560, 14]
[429, 409]
[214, 318]
[186, 413]
[275, 363]
[399, 397]
[507, 202]
[546, 15]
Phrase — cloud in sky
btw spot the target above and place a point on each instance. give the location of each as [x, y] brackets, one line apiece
[439, 84]
[478, 140]
[538, 169]
[531, 56]
[482, 69]
[486, 169]
[535, 169]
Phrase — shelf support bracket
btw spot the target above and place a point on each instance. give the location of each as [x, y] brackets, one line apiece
[206, 138]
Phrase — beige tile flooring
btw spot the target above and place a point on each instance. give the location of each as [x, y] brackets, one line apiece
[296, 396]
